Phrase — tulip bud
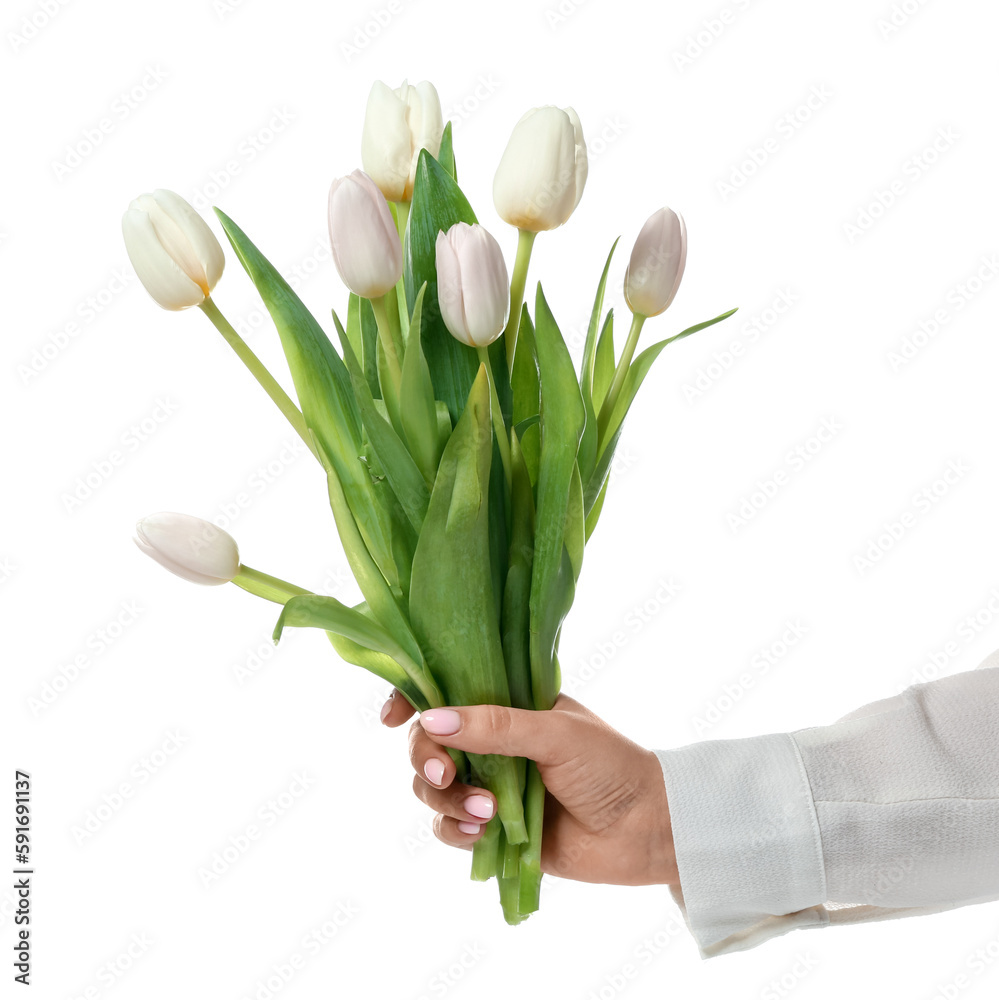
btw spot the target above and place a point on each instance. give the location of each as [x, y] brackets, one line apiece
[397, 125]
[194, 549]
[472, 284]
[541, 175]
[656, 264]
[174, 253]
[363, 237]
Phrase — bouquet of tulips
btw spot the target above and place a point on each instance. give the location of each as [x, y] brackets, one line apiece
[465, 459]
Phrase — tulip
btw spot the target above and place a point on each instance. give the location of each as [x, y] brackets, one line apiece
[656, 266]
[472, 284]
[193, 549]
[397, 125]
[174, 253]
[541, 174]
[366, 247]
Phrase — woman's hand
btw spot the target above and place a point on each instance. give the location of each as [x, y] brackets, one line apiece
[606, 815]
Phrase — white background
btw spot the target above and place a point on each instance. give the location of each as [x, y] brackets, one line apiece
[256, 106]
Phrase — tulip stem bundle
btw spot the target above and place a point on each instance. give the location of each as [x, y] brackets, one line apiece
[465, 456]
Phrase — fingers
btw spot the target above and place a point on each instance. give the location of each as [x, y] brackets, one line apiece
[449, 831]
[430, 760]
[545, 737]
[464, 804]
[396, 709]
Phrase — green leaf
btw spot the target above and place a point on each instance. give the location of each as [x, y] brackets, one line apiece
[526, 386]
[438, 204]
[594, 513]
[393, 458]
[587, 456]
[589, 349]
[575, 524]
[419, 414]
[379, 595]
[445, 157]
[324, 391]
[451, 603]
[603, 365]
[360, 638]
[562, 419]
[516, 620]
[362, 328]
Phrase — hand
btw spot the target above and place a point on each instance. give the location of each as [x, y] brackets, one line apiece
[606, 814]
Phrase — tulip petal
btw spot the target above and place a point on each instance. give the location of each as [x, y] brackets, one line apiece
[363, 238]
[385, 141]
[155, 268]
[189, 547]
[200, 241]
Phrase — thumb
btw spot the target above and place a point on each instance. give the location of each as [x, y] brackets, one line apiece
[513, 732]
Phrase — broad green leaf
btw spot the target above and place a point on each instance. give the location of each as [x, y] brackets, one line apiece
[603, 364]
[453, 603]
[324, 393]
[438, 204]
[393, 457]
[587, 456]
[517, 588]
[575, 524]
[562, 419]
[419, 414]
[357, 634]
[527, 392]
[445, 156]
[381, 665]
[362, 328]
[379, 595]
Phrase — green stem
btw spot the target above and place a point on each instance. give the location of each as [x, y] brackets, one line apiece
[270, 588]
[401, 219]
[501, 432]
[485, 851]
[530, 853]
[259, 372]
[388, 341]
[517, 285]
[620, 374]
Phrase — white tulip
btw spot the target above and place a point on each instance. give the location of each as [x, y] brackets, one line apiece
[542, 172]
[194, 549]
[174, 253]
[473, 288]
[657, 262]
[397, 125]
[366, 247]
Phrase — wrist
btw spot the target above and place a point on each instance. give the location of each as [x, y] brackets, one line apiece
[661, 851]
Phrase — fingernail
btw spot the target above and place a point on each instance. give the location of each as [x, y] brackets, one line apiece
[479, 805]
[441, 721]
[387, 707]
[469, 827]
[434, 770]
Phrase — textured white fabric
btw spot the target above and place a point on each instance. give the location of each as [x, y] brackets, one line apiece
[892, 811]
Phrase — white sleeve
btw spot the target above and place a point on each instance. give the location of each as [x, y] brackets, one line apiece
[892, 811]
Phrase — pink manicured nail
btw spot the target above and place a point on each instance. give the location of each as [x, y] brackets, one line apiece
[479, 805]
[434, 770]
[469, 827]
[441, 721]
